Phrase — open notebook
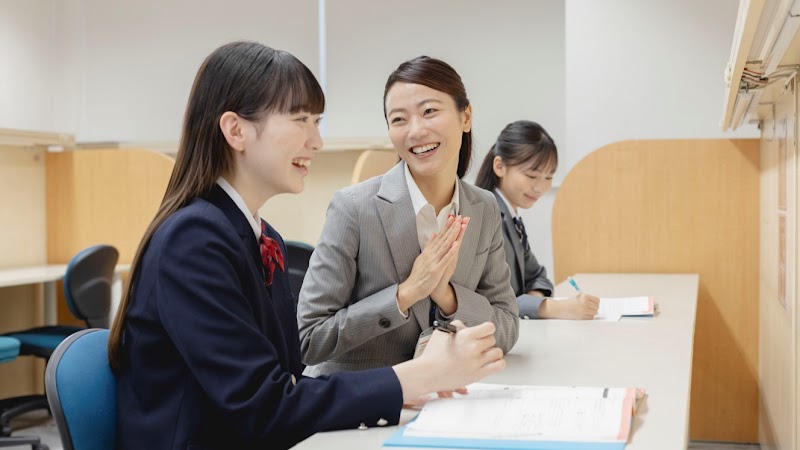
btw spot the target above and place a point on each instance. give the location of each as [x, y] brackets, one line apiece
[524, 417]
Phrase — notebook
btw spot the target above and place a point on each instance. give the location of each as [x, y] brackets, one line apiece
[524, 417]
[613, 308]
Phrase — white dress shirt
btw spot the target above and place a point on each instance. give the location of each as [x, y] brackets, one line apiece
[428, 222]
[253, 219]
[510, 208]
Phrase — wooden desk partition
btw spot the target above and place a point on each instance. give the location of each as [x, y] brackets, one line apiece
[679, 206]
[24, 223]
[372, 163]
[101, 197]
[343, 161]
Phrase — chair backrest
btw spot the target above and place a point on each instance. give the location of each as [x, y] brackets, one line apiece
[299, 254]
[82, 391]
[9, 348]
[87, 284]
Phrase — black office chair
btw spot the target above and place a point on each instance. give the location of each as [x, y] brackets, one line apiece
[87, 289]
[299, 254]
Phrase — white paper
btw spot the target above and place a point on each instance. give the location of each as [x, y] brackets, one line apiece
[624, 306]
[525, 413]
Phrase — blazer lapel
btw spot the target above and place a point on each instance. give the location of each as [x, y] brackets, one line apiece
[470, 206]
[511, 234]
[219, 198]
[396, 213]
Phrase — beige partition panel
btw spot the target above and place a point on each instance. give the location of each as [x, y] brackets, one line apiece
[101, 197]
[372, 163]
[299, 217]
[679, 206]
[24, 224]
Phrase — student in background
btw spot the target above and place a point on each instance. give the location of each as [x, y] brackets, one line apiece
[414, 245]
[519, 170]
[205, 345]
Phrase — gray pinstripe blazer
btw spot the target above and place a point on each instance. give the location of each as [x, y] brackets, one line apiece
[347, 312]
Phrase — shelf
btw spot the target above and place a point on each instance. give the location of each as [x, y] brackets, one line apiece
[766, 41]
[743, 36]
[25, 138]
[171, 147]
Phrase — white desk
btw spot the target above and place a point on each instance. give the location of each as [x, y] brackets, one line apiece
[49, 275]
[653, 353]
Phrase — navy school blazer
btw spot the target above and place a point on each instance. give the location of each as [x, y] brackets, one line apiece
[209, 352]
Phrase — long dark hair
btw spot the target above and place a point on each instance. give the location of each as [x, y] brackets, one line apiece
[436, 74]
[247, 78]
[520, 142]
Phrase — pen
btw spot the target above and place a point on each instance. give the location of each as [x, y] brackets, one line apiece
[446, 327]
[573, 283]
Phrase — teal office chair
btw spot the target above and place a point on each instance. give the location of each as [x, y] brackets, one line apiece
[82, 391]
[9, 349]
[298, 256]
[87, 289]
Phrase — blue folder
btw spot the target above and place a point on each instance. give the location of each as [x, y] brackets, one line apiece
[399, 440]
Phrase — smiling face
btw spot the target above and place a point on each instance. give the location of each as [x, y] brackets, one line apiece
[523, 185]
[426, 128]
[278, 157]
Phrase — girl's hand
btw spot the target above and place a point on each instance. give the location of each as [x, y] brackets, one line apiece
[581, 307]
[451, 361]
[423, 399]
[463, 357]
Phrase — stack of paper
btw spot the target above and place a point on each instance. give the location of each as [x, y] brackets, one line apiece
[524, 417]
[613, 308]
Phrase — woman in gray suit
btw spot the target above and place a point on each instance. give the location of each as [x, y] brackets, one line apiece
[412, 246]
[519, 170]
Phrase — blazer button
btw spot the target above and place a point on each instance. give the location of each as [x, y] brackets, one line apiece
[384, 322]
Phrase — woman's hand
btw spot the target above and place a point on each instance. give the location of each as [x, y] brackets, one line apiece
[431, 264]
[443, 294]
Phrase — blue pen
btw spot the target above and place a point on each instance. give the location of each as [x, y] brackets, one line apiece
[573, 283]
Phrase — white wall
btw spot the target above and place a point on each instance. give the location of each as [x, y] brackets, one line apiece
[591, 71]
[133, 62]
[26, 70]
[646, 69]
[639, 69]
[509, 53]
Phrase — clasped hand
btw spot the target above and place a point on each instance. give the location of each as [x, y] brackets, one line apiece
[431, 272]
